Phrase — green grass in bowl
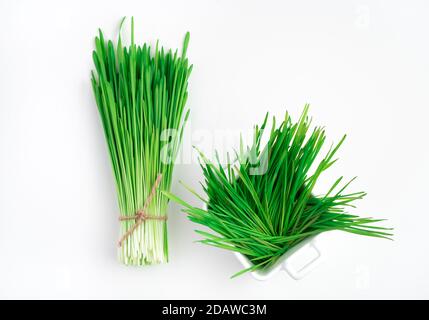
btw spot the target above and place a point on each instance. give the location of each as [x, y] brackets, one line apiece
[264, 204]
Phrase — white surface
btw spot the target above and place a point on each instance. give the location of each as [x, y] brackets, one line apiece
[363, 66]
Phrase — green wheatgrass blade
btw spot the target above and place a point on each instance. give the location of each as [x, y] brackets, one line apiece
[264, 215]
[140, 94]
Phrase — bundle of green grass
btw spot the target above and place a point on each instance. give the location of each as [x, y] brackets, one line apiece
[264, 204]
[141, 99]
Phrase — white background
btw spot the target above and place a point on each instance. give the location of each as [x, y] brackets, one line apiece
[363, 66]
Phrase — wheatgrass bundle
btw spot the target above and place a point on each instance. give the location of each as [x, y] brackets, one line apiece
[141, 97]
[263, 204]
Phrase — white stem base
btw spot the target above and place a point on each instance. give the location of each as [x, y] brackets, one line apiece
[146, 246]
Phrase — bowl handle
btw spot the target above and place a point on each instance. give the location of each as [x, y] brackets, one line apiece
[298, 274]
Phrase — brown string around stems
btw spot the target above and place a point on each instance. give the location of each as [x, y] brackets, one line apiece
[141, 215]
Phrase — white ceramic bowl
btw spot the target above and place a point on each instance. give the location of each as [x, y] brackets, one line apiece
[285, 262]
